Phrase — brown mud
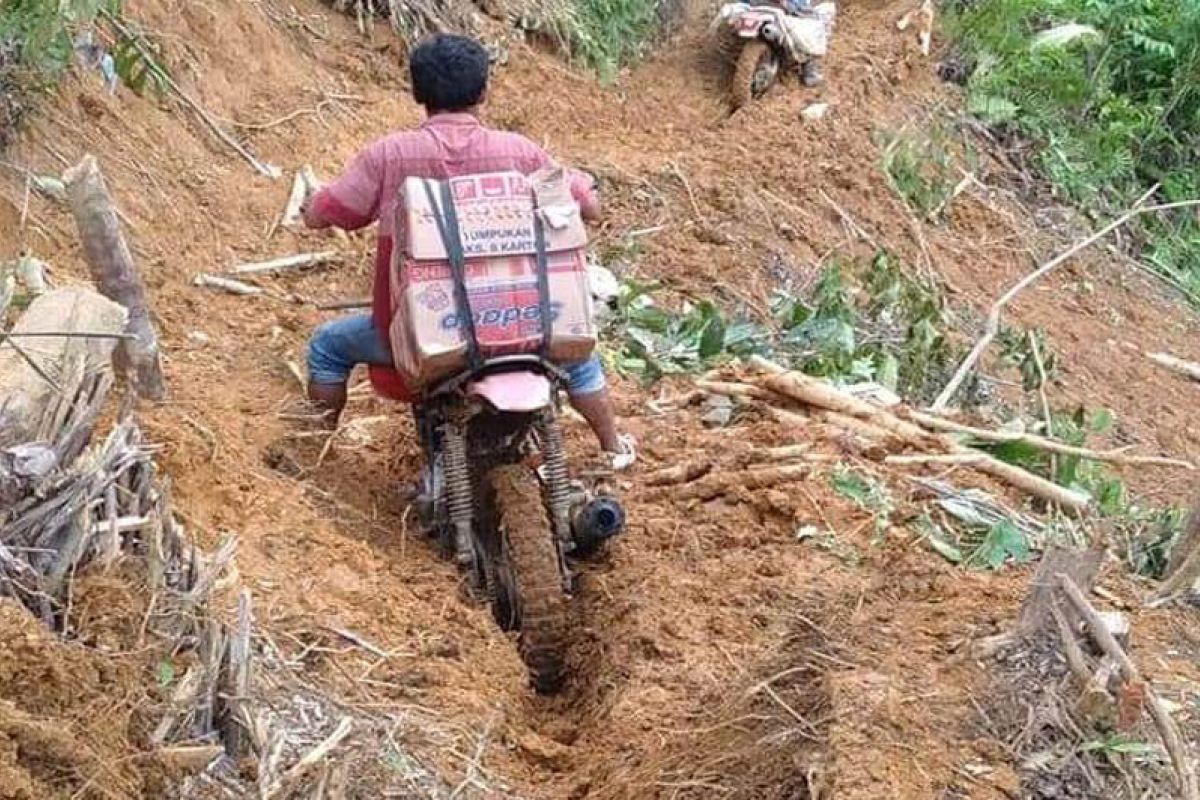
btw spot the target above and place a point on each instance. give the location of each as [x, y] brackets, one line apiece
[717, 655]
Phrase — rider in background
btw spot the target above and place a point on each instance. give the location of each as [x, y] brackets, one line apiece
[812, 71]
[450, 79]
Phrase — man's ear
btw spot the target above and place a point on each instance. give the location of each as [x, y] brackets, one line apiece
[483, 98]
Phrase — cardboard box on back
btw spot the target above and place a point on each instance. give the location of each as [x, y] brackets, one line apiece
[496, 224]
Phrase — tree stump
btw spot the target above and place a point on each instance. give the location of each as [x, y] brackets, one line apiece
[115, 273]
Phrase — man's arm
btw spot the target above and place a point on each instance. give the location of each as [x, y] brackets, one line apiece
[352, 201]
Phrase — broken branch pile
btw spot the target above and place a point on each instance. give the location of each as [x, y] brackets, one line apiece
[796, 399]
[67, 504]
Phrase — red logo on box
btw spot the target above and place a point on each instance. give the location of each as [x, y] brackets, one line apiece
[464, 190]
[493, 186]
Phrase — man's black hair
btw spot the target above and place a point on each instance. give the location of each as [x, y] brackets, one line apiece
[449, 72]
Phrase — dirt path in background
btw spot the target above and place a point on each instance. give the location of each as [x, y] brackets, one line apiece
[861, 647]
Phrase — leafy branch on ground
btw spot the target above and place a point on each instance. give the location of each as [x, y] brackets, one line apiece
[864, 322]
[923, 169]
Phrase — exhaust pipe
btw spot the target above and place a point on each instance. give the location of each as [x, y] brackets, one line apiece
[595, 522]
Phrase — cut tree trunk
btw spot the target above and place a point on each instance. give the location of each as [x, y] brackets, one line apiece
[1037, 612]
[33, 370]
[115, 273]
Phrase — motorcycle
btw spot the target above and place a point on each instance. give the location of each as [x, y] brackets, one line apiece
[499, 496]
[770, 37]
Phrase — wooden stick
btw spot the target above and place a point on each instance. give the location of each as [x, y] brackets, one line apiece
[345, 305]
[1041, 442]
[299, 261]
[1188, 369]
[227, 284]
[1184, 769]
[115, 273]
[303, 186]
[1076, 660]
[993, 319]
[310, 759]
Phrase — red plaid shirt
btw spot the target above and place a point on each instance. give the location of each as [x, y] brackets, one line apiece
[445, 146]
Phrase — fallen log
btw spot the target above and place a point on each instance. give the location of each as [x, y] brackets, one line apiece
[115, 273]
[714, 486]
[34, 373]
[815, 392]
[1189, 369]
[680, 473]
[937, 423]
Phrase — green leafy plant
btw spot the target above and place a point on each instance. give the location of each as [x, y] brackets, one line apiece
[867, 493]
[1002, 542]
[38, 44]
[1111, 111]
[608, 34]
[922, 169]
[870, 323]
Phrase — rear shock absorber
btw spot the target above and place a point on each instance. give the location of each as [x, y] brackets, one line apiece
[458, 490]
[558, 481]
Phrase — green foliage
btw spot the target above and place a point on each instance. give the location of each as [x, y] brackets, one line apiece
[884, 326]
[867, 493]
[1003, 541]
[43, 32]
[922, 170]
[1146, 534]
[1113, 112]
[38, 43]
[608, 34]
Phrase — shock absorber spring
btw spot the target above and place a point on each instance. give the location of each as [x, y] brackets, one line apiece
[557, 479]
[458, 490]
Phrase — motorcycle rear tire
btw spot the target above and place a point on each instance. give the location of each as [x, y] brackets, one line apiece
[532, 561]
[755, 55]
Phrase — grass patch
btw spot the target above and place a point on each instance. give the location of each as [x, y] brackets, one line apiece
[609, 34]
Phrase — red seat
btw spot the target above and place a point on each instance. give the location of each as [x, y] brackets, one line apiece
[388, 383]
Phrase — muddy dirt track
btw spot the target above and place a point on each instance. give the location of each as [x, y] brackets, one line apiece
[717, 656]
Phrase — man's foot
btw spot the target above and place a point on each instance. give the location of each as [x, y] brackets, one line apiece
[812, 73]
[625, 457]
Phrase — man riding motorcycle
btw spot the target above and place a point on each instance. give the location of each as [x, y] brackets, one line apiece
[449, 76]
[811, 68]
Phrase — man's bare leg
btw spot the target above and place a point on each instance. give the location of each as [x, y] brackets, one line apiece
[330, 400]
[597, 409]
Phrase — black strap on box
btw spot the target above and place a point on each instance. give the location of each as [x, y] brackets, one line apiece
[543, 284]
[446, 217]
[447, 223]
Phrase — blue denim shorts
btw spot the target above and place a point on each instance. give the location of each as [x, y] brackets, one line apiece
[339, 345]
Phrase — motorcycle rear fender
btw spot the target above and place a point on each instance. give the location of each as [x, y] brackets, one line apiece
[517, 392]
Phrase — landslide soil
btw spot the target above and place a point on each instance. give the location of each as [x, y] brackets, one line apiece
[717, 655]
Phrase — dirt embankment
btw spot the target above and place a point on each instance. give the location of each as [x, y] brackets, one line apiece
[719, 655]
